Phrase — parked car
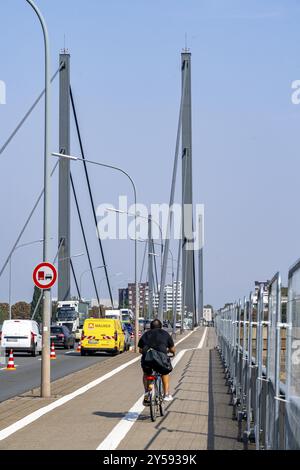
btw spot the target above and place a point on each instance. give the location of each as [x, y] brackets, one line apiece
[127, 337]
[21, 336]
[61, 336]
[178, 324]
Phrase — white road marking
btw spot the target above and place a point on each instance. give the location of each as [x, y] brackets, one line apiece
[22, 423]
[200, 345]
[114, 438]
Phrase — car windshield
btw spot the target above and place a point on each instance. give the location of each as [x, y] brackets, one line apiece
[125, 317]
[64, 314]
[56, 330]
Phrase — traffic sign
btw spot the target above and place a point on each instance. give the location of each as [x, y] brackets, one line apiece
[45, 275]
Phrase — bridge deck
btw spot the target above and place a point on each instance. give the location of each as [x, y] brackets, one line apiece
[199, 417]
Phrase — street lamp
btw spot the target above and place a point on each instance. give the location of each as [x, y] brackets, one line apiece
[45, 376]
[70, 157]
[71, 257]
[10, 269]
[89, 271]
[118, 211]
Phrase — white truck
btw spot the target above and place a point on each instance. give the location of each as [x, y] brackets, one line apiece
[127, 315]
[116, 314]
[207, 315]
[72, 313]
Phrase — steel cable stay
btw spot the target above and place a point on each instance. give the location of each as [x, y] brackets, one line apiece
[172, 194]
[26, 224]
[85, 240]
[26, 116]
[90, 193]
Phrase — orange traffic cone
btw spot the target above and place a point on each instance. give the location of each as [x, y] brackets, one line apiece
[11, 363]
[79, 347]
[52, 354]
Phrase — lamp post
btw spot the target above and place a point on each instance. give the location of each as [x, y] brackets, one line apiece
[71, 257]
[88, 271]
[70, 157]
[45, 373]
[118, 211]
[10, 269]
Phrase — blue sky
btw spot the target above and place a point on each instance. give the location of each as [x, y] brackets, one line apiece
[126, 80]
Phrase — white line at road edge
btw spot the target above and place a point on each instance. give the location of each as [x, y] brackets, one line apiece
[115, 437]
[6, 432]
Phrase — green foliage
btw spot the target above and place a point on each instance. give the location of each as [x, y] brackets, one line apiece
[4, 312]
[39, 313]
[21, 311]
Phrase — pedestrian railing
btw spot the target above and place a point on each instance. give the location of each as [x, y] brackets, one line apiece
[254, 344]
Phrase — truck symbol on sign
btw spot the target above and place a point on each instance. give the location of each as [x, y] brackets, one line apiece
[43, 277]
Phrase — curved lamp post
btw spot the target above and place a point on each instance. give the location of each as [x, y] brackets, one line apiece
[45, 377]
[70, 157]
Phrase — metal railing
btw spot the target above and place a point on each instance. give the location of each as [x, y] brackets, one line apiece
[251, 341]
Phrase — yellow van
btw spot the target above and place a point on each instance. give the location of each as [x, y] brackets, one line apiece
[102, 335]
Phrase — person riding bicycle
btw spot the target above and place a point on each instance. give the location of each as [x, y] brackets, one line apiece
[159, 340]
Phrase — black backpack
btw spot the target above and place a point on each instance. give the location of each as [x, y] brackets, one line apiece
[158, 361]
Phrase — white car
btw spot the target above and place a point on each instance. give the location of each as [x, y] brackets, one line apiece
[21, 336]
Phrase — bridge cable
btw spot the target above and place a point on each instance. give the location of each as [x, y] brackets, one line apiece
[143, 264]
[170, 211]
[28, 113]
[25, 225]
[90, 194]
[155, 265]
[85, 241]
[75, 279]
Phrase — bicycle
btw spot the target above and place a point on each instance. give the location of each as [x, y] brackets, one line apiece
[155, 395]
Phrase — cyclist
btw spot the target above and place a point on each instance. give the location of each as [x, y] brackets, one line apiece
[160, 340]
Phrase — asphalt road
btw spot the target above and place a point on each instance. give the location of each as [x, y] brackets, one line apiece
[28, 370]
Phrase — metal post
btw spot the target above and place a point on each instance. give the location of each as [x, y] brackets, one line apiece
[64, 269]
[150, 269]
[277, 364]
[200, 280]
[173, 296]
[9, 288]
[45, 375]
[187, 191]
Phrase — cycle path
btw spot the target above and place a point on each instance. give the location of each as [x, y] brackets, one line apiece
[110, 415]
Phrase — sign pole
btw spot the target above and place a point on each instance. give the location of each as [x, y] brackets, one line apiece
[44, 277]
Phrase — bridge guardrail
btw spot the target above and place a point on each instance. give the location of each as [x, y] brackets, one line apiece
[250, 341]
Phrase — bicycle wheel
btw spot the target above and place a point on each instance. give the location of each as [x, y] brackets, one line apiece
[153, 404]
[161, 399]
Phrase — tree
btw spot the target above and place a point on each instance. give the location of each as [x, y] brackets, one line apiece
[4, 312]
[21, 311]
[54, 310]
[210, 306]
[39, 313]
[94, 312]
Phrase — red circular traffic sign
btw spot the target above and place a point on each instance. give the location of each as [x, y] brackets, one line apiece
[45, 275]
